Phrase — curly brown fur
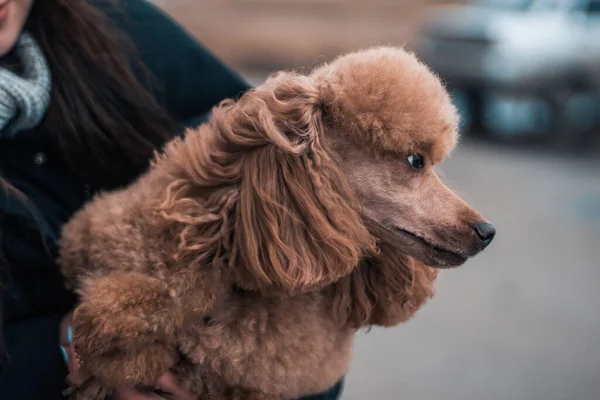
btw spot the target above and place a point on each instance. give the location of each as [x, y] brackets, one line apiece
[148, 315]
[281, 214]
[245, 259]
[385, 290]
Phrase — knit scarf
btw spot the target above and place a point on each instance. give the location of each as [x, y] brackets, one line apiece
[25, 86]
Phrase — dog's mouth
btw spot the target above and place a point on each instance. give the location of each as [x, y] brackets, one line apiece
[408, 242]
[431, 254]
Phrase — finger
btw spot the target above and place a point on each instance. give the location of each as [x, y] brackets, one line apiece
[73, 362]
[168, 383]
[66, 322]
[132, 394]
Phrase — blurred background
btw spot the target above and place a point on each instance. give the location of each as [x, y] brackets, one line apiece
[522, 320]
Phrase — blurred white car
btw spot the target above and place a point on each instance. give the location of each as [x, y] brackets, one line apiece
[519, 66]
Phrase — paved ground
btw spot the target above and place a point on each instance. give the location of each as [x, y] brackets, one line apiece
[522, 320]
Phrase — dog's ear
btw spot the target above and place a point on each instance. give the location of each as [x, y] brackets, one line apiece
[296, 223]
[387, 288]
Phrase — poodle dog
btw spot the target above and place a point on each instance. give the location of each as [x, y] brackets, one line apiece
[254, 247]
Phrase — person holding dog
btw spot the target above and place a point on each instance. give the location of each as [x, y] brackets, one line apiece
[89, 90]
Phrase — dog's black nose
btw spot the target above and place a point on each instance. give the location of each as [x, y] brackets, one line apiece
[486, 232]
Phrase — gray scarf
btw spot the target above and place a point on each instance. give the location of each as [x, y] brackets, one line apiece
[24, 88]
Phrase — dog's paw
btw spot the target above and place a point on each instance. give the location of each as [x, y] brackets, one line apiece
[124, 329]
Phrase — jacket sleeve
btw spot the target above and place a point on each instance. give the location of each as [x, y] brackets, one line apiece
[34, 369]
[186, 78]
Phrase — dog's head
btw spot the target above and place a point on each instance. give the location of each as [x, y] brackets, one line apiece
[310, 171]
[389, 121]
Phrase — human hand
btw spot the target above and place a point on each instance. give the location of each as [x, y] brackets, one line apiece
[166, 387]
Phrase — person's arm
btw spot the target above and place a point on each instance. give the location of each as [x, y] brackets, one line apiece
[187, 79]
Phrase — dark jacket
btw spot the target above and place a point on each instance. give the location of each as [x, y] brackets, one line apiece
[190, 81]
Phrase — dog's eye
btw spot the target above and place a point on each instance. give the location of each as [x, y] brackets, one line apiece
[416, 162]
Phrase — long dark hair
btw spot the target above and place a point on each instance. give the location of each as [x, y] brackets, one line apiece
[103, 116]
